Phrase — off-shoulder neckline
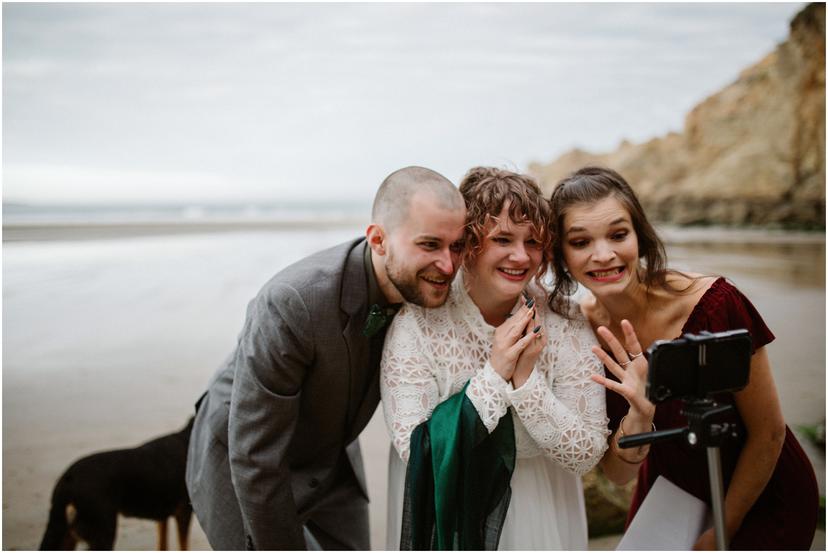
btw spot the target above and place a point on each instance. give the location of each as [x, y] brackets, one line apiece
[705, 298]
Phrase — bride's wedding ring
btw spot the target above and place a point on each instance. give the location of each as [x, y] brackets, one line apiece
[625, 363]
[635, 355]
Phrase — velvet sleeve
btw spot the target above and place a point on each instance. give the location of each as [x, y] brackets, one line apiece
[724, 307]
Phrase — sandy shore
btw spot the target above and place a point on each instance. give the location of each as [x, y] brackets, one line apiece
[29, 471]
[108, 344]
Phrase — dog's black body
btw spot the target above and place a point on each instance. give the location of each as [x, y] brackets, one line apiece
[144, 482]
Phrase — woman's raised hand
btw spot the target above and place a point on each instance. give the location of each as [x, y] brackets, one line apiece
[629, 366]
[512, 338]
[526, 361]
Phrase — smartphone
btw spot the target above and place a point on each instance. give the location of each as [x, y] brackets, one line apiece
[698, 365]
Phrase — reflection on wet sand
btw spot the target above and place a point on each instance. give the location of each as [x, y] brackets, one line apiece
[792, 264]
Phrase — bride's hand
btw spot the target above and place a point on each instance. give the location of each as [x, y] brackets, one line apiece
[630, 369]
[511, 338]
[526, 360]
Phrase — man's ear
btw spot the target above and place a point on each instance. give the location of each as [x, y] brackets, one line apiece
[376, 238]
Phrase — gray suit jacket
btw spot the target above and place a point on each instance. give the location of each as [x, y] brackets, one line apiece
[274, 441]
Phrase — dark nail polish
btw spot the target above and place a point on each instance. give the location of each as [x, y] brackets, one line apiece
[537, 329]
[526, 294]
[530, 303]
[508, 315]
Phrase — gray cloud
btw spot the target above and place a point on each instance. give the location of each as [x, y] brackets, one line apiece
[280, 100]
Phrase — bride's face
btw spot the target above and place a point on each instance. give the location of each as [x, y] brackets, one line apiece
[510, 257]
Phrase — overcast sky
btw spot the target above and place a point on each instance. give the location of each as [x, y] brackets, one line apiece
[220, 102]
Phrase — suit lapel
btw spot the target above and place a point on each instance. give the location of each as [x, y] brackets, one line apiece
[354, 304]
[371, 394]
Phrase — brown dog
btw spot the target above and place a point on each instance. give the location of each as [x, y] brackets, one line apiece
[143, 482]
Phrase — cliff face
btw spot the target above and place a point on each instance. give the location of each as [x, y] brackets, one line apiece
[752, 154]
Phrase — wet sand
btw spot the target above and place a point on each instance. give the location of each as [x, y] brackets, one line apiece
[107, 346]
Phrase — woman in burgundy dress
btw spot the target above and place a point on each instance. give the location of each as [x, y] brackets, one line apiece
[603, 241]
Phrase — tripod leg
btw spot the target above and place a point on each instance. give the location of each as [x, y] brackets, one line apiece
[714, 468]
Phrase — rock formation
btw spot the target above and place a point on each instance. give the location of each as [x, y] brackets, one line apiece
[751, 154]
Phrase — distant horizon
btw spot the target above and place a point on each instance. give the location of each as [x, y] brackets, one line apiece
[256, 103]
[262, 202]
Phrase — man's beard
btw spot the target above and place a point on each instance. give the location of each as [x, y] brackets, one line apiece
[409, 285]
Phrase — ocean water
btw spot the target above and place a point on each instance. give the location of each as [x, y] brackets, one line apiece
[50, 213]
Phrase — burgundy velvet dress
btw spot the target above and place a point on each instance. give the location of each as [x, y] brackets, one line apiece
[785, 514]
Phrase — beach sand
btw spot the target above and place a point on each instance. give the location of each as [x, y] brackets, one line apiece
[25, 518]
[107, 344]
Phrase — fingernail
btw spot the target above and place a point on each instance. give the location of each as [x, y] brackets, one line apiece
[525, 294]
[537, 329]
[530, 303]
[508, 315]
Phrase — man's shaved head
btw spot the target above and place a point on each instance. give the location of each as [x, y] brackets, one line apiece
[393, 199]
[416, 236]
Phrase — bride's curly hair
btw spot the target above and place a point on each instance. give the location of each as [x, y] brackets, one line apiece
[486, 190]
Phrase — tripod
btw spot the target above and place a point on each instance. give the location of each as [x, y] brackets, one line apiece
[700, 432]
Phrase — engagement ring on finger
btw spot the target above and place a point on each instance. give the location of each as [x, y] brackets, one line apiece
[625, 363]
[635, 355]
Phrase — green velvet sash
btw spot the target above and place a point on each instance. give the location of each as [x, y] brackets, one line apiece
[457, 481]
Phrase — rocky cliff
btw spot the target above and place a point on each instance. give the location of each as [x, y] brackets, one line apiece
[751, 154]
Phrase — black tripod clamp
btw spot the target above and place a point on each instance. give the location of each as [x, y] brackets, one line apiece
[699, 432]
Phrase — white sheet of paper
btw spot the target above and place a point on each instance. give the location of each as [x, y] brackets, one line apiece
[669, 519]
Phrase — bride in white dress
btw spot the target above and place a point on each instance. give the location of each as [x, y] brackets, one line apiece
[477, 336]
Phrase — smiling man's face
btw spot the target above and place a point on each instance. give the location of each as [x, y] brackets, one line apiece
[424, 251]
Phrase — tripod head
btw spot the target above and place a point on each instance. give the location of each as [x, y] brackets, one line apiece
[700, 431]
[693, 368]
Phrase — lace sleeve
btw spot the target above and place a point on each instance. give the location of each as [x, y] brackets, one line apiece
[408, 385]
[561, 407]
[487, 392]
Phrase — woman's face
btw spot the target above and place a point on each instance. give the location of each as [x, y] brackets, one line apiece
[510, 256]
[600, 246]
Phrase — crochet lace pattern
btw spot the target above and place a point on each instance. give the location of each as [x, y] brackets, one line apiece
[430, 354]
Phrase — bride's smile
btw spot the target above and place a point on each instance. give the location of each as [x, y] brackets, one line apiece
[510, 256]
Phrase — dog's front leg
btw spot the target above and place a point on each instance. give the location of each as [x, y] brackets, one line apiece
[162, 535]
[182, 517]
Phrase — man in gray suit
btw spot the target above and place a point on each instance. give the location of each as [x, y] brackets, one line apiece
[274, 461]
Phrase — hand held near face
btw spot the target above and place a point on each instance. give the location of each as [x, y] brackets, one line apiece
[529, 357]
[527, 360]
[512, 338]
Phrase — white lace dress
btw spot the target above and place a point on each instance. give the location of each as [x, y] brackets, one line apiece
[559, 413]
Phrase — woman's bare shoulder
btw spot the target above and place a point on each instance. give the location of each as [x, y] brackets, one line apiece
[689, 283]
[690, 287]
